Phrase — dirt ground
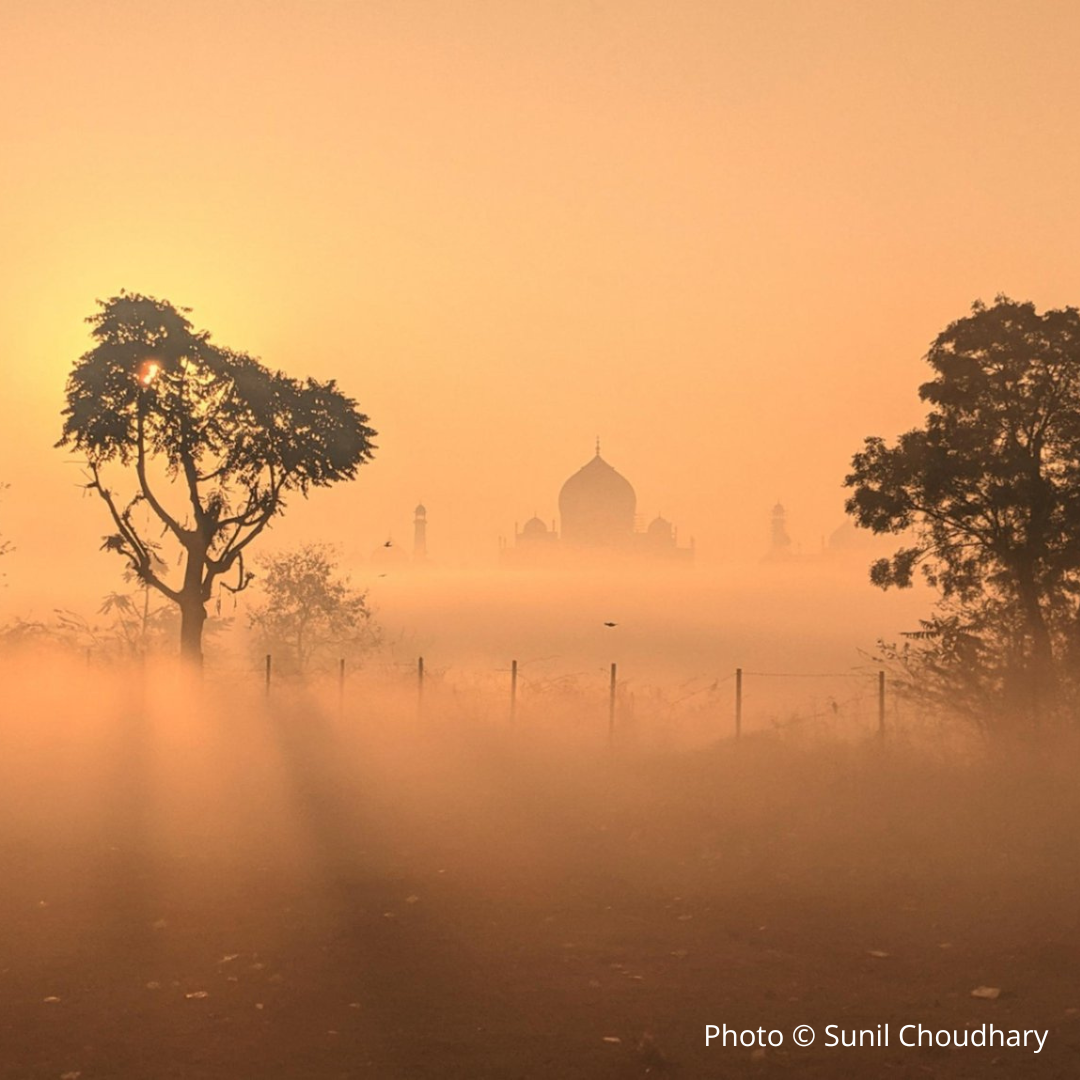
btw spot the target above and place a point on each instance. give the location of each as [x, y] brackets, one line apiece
[291, 894]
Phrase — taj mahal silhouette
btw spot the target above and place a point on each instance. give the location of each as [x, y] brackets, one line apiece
[597, 516]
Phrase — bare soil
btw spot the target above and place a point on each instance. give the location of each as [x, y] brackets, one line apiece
[336, 900]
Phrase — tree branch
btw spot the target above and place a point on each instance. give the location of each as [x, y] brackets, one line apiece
[139, 554]
[140, 471]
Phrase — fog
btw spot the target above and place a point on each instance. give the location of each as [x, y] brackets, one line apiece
[369, 872]
[679, 633]
[568, 803]
[805, 632]
[206, 880]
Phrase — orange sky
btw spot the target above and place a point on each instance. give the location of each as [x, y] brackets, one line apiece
[720, 235]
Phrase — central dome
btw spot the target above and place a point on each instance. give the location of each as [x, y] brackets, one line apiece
[597, 506]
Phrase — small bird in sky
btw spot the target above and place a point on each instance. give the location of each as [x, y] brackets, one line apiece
[389, 543]
[611, 624]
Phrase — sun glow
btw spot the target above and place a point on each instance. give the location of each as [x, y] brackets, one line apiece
[148, 371]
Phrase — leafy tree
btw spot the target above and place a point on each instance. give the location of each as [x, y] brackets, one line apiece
[988, 490]
[310, 613]
[137, 624]
[133, 618]
[215, 441]
[127, 625]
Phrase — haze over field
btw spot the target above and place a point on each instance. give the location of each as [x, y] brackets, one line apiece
[560, 720]
[217, 885]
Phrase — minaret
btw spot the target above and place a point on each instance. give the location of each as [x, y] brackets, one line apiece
[420, 534]
[781, 542]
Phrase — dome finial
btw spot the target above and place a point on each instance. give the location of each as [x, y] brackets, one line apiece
[597, 445]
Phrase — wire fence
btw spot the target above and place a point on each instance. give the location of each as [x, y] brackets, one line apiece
[613, 702]
[616, 702]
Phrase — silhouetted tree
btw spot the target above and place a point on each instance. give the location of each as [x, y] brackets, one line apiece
[136, 625]
[216, 441]
[989, 491]
[310, 612]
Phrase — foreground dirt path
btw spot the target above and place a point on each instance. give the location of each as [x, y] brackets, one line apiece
[320, 903]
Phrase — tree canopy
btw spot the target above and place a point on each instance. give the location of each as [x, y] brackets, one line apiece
[310, 615]
[987, 492]
[216, 442]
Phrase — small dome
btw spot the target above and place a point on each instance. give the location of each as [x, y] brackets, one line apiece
[390, 552]
[849, 537]
[421, 510]
[660, 526]
[534, 527]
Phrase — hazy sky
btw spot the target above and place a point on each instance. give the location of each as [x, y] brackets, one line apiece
[719, 235]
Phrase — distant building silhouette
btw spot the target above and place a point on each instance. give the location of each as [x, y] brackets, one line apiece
[535, 537]
[420, 533]
[390, 552]
[597, 506]
[848, 537]
[844, 542]
[598, 514]
[779, 541]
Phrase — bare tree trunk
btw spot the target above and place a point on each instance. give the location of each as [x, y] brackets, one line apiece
[192, 617]
[1042, 687]
[192, 610]
[145, 618]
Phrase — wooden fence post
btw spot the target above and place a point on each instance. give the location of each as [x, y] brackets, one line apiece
[738, 703]
[513, 690]
[881, 703]
[611, 707]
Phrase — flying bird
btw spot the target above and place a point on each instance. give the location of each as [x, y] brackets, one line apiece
[389, 543]
[611, 624]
